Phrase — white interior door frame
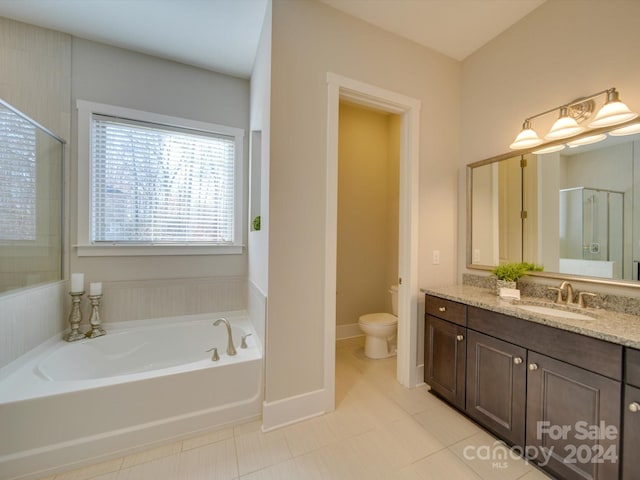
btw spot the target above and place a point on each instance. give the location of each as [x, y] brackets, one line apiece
[340, 87]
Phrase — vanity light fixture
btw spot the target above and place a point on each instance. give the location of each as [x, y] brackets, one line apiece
[571, 115]
[564, 127]
[628, 130]
[587, 140]
[542, 151]
[613, 112]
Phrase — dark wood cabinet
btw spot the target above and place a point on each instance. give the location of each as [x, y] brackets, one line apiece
[573, 419]
[631, 429]
[631, 417]
[496, 385]
[556, 394]
[445, 345]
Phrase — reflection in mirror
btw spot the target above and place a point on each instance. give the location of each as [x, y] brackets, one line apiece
[30, 202]
[571, 211]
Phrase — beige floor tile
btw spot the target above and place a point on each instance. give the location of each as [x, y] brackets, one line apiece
[249, 427]
[491, 459]
[281, 471]
[535, 474]
[215, 461]
[152, 454]
[257, 450]
[161, 469]
[206, 439]
[91, 471]
[445, 423]
[307, 436]
[443, 465]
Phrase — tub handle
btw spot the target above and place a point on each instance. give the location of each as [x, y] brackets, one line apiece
[215, 357]
[243, 343]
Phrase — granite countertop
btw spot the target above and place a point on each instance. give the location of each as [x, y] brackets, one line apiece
[615, 327]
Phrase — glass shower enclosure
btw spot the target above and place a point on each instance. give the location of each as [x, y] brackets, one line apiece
[592, 232]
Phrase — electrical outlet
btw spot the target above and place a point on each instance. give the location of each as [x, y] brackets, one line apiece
[436, 257]
[476, 255]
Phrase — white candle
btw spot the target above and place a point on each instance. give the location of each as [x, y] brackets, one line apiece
[77, 282]
[95, 288]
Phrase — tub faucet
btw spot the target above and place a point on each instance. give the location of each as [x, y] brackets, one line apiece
[231, 350]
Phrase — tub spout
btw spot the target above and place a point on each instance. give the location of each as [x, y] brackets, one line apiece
[231, 350]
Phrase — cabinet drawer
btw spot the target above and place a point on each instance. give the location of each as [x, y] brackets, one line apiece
[632, 366]
[446, 309]
[590, 353]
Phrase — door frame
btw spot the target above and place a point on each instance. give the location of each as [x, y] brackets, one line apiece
[340, 87]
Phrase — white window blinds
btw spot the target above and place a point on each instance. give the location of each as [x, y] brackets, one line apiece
[156, 184]
[17, 178]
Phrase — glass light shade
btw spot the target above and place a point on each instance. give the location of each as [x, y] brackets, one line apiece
[612, 113]
[564, 127]
[555, 148]
[526, 138]
[587, 140]
[628, 130]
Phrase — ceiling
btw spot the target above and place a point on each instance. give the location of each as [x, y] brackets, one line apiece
[222, 35]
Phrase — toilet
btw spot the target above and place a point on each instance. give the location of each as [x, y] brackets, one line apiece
[380, 330]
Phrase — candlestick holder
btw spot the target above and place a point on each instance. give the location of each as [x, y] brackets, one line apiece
[94, 320]
[75, 318]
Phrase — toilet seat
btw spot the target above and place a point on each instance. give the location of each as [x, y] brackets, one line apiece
[382, 319]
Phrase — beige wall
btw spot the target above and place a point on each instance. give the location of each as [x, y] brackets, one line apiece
[368, 178]
[309, 40]
[561, 51]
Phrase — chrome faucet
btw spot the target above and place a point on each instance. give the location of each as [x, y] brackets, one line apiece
[231, 350]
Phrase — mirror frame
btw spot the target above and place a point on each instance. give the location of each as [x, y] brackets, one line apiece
[518, 153]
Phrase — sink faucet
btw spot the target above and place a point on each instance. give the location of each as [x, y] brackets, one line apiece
[231, 350]
[564, 286]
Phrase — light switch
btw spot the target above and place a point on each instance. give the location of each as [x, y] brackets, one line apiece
[436, 257]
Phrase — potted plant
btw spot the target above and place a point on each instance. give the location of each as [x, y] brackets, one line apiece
[508, 274]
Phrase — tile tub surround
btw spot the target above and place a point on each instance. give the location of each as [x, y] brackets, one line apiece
[611, 326]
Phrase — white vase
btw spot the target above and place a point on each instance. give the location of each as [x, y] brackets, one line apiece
[504, 284]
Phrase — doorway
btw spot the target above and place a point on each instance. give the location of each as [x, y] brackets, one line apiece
[342, 88]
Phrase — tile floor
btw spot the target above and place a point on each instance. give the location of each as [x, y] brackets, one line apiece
[379, 430]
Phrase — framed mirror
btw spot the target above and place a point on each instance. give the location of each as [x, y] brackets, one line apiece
[31, 160]
[575, 211]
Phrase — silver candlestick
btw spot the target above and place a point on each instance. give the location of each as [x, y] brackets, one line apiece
[75, 317]
[94, 320]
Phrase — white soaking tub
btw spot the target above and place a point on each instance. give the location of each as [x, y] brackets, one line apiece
[145, 382]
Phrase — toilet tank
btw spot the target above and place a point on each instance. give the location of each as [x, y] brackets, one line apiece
[393, 290]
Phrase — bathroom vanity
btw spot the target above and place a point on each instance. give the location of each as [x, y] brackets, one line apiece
[549, 384]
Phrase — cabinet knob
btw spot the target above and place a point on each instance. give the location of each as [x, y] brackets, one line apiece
[517, 360]
[533, 367]
[459, 337]
[442, 309]
[634, 407]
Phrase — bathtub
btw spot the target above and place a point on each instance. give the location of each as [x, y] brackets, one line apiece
[64, 404]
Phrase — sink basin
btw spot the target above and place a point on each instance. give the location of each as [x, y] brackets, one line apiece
[554, 312]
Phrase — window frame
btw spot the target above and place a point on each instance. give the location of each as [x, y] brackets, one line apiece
[85, 247]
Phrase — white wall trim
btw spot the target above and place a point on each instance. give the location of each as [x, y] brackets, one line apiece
[287, 411]
[348, 331]
[408, 293]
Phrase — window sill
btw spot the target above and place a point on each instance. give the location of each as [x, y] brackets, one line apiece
[156, 250]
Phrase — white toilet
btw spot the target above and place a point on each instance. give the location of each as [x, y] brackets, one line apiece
[380, 330]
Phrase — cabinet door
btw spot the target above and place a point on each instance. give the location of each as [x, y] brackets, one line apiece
[445, 359]
[496, 385]
[631, 440]
[573, 420]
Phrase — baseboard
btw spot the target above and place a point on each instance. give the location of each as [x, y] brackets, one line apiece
[348, 331]
[281, 413]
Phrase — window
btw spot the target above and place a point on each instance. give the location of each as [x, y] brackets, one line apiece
[17, 177]
[157, 184]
